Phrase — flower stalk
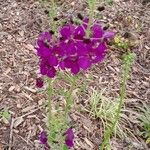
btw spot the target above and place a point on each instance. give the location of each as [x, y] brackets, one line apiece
[91, 4]
[128, 60]
[50, 92]
[53, 15]
[68, 50]
[69, 96]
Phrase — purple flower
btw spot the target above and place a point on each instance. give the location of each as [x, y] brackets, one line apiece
[39, 82]
[85, 22]
[43, 139]
[67, 31]
[109, 35]
[43, 38]
[84, 63]
[47, 69]
[99, 53]
[43, 51]
[72, 64]
[51, 72]
[43, 45]
[72, 49]
[69, 138]
[81, 48]
[52, 60]
[79, 32]
[97, 31]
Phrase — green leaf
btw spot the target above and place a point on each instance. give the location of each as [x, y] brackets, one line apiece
[6, 114]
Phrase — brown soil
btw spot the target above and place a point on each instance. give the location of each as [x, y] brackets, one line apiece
[20, 24]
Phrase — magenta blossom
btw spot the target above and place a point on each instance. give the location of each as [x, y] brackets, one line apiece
[39, 82]
[43, 139]
[72, 49]
[69, 138]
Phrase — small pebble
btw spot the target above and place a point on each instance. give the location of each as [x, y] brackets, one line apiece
[46, 11]
[101, 8]
[55, 19]
[106, 27]
[51, 32]
[80, 16]
[127, 35]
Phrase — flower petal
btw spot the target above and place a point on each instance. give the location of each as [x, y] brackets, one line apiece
[81, 48]
[85, 22]
[69, 143]
[51, 72]
[69, 138]
[44, 37]
[75, 69]
[43, 51]
[109, 35]
[79, 33]
[52, 61]
[70, 49]
[43, 68]
[67, 30]
[97, 31]
[68, 62]
[84, 63]
[43, 137]
[100, 52]
[62, 65]
[101, 48]
[39, 82]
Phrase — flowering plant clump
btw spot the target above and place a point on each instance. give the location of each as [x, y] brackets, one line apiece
[72, 49]
[75, 47]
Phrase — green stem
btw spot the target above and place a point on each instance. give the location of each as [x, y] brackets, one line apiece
[69, 96]
[91, 4]
[127, 65]
[53, 15]
[50, 91]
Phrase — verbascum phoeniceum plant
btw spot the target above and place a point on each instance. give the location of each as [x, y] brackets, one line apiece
[69, 48]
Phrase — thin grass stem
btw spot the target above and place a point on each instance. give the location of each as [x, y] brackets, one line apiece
[50, 92]
[128, 59]
[69, 96]
[91, 4]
